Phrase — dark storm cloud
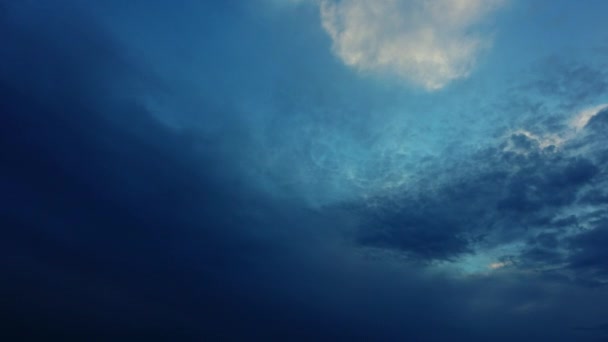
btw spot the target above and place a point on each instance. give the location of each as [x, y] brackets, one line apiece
[548, 183]
[595, 197]
[522, 190]
[108, 217]
[517, 192]
[115, 228]
[599, 122]
[589, 248]
[118, 227]
[426, 234]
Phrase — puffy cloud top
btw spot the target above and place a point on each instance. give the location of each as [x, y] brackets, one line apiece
[428, 43]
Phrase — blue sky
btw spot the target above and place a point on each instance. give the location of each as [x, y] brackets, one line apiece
[305, 170]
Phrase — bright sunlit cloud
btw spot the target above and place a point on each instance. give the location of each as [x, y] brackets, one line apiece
[582, 118]
[427, 43]
[498, 265]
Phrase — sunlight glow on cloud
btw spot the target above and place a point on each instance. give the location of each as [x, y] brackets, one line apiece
[557, 139]
[427, 43]
[582, 118]
[497, 265]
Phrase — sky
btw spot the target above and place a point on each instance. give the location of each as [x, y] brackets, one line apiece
[304, 170]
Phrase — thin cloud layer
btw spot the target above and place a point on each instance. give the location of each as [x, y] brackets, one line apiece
[428, 43]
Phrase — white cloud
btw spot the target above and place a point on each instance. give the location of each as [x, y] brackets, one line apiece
[426, 42]
[582, 118]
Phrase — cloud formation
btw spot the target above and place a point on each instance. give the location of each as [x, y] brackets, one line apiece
[118, 225]
[428, 43]
[532, 204]
[582, 119]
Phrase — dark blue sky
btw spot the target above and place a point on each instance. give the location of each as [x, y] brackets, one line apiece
[304, 170]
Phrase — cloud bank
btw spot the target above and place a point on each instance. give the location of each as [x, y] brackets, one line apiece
[120, 226]
[428, 43]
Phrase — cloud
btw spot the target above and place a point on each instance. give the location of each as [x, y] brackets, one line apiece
[498, 265]
[581, 120]
[533, 191]
[522, 141]
[599, 119]
[428, 43]
[139, 234]
[589, 254]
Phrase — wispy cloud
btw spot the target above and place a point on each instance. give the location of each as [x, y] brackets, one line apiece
[581, 120]
[428, 43]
